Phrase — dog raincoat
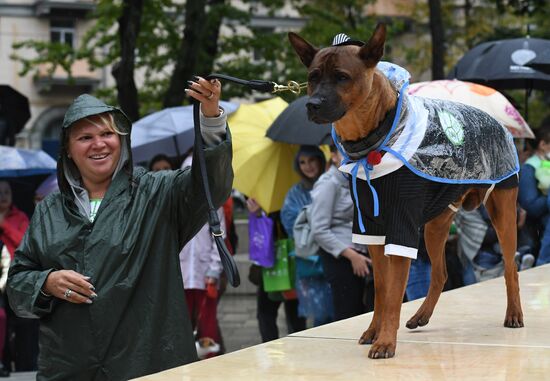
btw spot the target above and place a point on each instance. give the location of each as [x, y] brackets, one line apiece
[439, 140]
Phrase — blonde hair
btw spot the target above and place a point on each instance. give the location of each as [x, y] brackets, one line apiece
[109, 121]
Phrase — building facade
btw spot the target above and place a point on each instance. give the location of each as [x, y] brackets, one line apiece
[49, 96]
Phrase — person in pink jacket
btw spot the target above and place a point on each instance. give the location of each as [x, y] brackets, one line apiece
[13, 224]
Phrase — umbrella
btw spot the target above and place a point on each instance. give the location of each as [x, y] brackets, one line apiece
[482, 97]
[47, 186]
[263, 168]
[293, 126]
[541, 62]
[18, 162]
[14, 107]
[169, 131]
[25, 170]
[503, 64]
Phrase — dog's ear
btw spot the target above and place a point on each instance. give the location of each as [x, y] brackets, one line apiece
[372, 51]
[304, 49]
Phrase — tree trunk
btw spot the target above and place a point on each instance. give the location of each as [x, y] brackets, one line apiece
[123, 71]
[211, 36]
[468, 22]
[193, 32]
[438, 40]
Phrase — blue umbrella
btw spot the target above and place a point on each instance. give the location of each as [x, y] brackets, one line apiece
[169, 131]
[25, 169]
[18, 162]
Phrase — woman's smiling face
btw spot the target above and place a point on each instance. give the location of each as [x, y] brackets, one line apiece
[310, 166]
[94, 147]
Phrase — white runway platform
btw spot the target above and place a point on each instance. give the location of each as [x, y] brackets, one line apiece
[465, 340]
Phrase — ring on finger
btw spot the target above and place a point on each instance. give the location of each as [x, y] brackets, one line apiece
[68, 293]
[210, 96]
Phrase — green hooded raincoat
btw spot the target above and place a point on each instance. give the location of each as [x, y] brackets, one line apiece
[139, 322]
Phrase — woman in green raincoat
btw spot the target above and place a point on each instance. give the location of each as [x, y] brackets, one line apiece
[99, 263]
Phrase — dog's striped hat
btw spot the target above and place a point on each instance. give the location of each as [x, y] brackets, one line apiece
[342, 39]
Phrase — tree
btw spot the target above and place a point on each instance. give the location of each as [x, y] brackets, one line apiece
[438, 39]
[187, 58]
[123, 71]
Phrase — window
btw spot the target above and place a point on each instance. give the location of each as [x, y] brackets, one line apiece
[62, 31]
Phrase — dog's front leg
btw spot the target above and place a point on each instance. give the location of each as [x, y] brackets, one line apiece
[398, 273]
[380, 269]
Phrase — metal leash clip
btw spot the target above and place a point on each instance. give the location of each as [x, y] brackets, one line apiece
[292, 86]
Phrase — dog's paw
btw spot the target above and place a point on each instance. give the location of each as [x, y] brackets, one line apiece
[514, 317]
[513, 321]
[381, 350]
[417, 321]
[368, 337]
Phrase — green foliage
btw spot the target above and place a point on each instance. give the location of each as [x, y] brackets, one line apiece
[275, 59]
[49, 56]
[266, 54]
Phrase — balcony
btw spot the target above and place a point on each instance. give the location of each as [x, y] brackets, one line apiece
[63, 9]
[83, 79]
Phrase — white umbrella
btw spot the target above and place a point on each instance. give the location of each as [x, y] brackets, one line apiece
[169, 131]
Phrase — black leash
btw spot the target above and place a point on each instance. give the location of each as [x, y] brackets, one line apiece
[228, 263]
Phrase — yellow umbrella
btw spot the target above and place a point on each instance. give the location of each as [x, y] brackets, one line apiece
[263, 168]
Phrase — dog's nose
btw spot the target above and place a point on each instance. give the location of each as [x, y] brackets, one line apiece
[314, 104]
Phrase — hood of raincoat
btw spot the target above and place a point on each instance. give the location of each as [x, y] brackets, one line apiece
[309, 151]
[68, 175]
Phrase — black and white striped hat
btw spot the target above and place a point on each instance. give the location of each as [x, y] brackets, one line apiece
[342, 39]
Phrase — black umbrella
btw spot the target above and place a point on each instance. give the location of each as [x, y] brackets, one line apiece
[293, 126]
[504, 64]
[541, 62]
[14, 113]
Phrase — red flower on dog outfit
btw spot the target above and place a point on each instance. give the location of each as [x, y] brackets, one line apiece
[374, 157]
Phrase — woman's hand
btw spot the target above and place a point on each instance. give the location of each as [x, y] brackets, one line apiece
[252, 206]
[70, 286]
[358, 261]
[208, 93]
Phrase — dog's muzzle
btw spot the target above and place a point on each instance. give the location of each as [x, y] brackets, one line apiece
[320, 111]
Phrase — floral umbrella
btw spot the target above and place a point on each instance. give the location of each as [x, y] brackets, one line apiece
[484, 98]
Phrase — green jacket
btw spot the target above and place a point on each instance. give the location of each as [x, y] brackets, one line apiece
[139, 322]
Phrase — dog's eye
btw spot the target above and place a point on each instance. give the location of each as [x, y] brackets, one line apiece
[313, 76]
[342, 77]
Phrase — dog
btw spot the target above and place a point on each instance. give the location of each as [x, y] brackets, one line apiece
[347, 88]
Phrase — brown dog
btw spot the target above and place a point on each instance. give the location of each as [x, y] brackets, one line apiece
[347, 89]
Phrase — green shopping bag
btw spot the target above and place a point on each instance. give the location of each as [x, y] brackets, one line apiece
[280, 277]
